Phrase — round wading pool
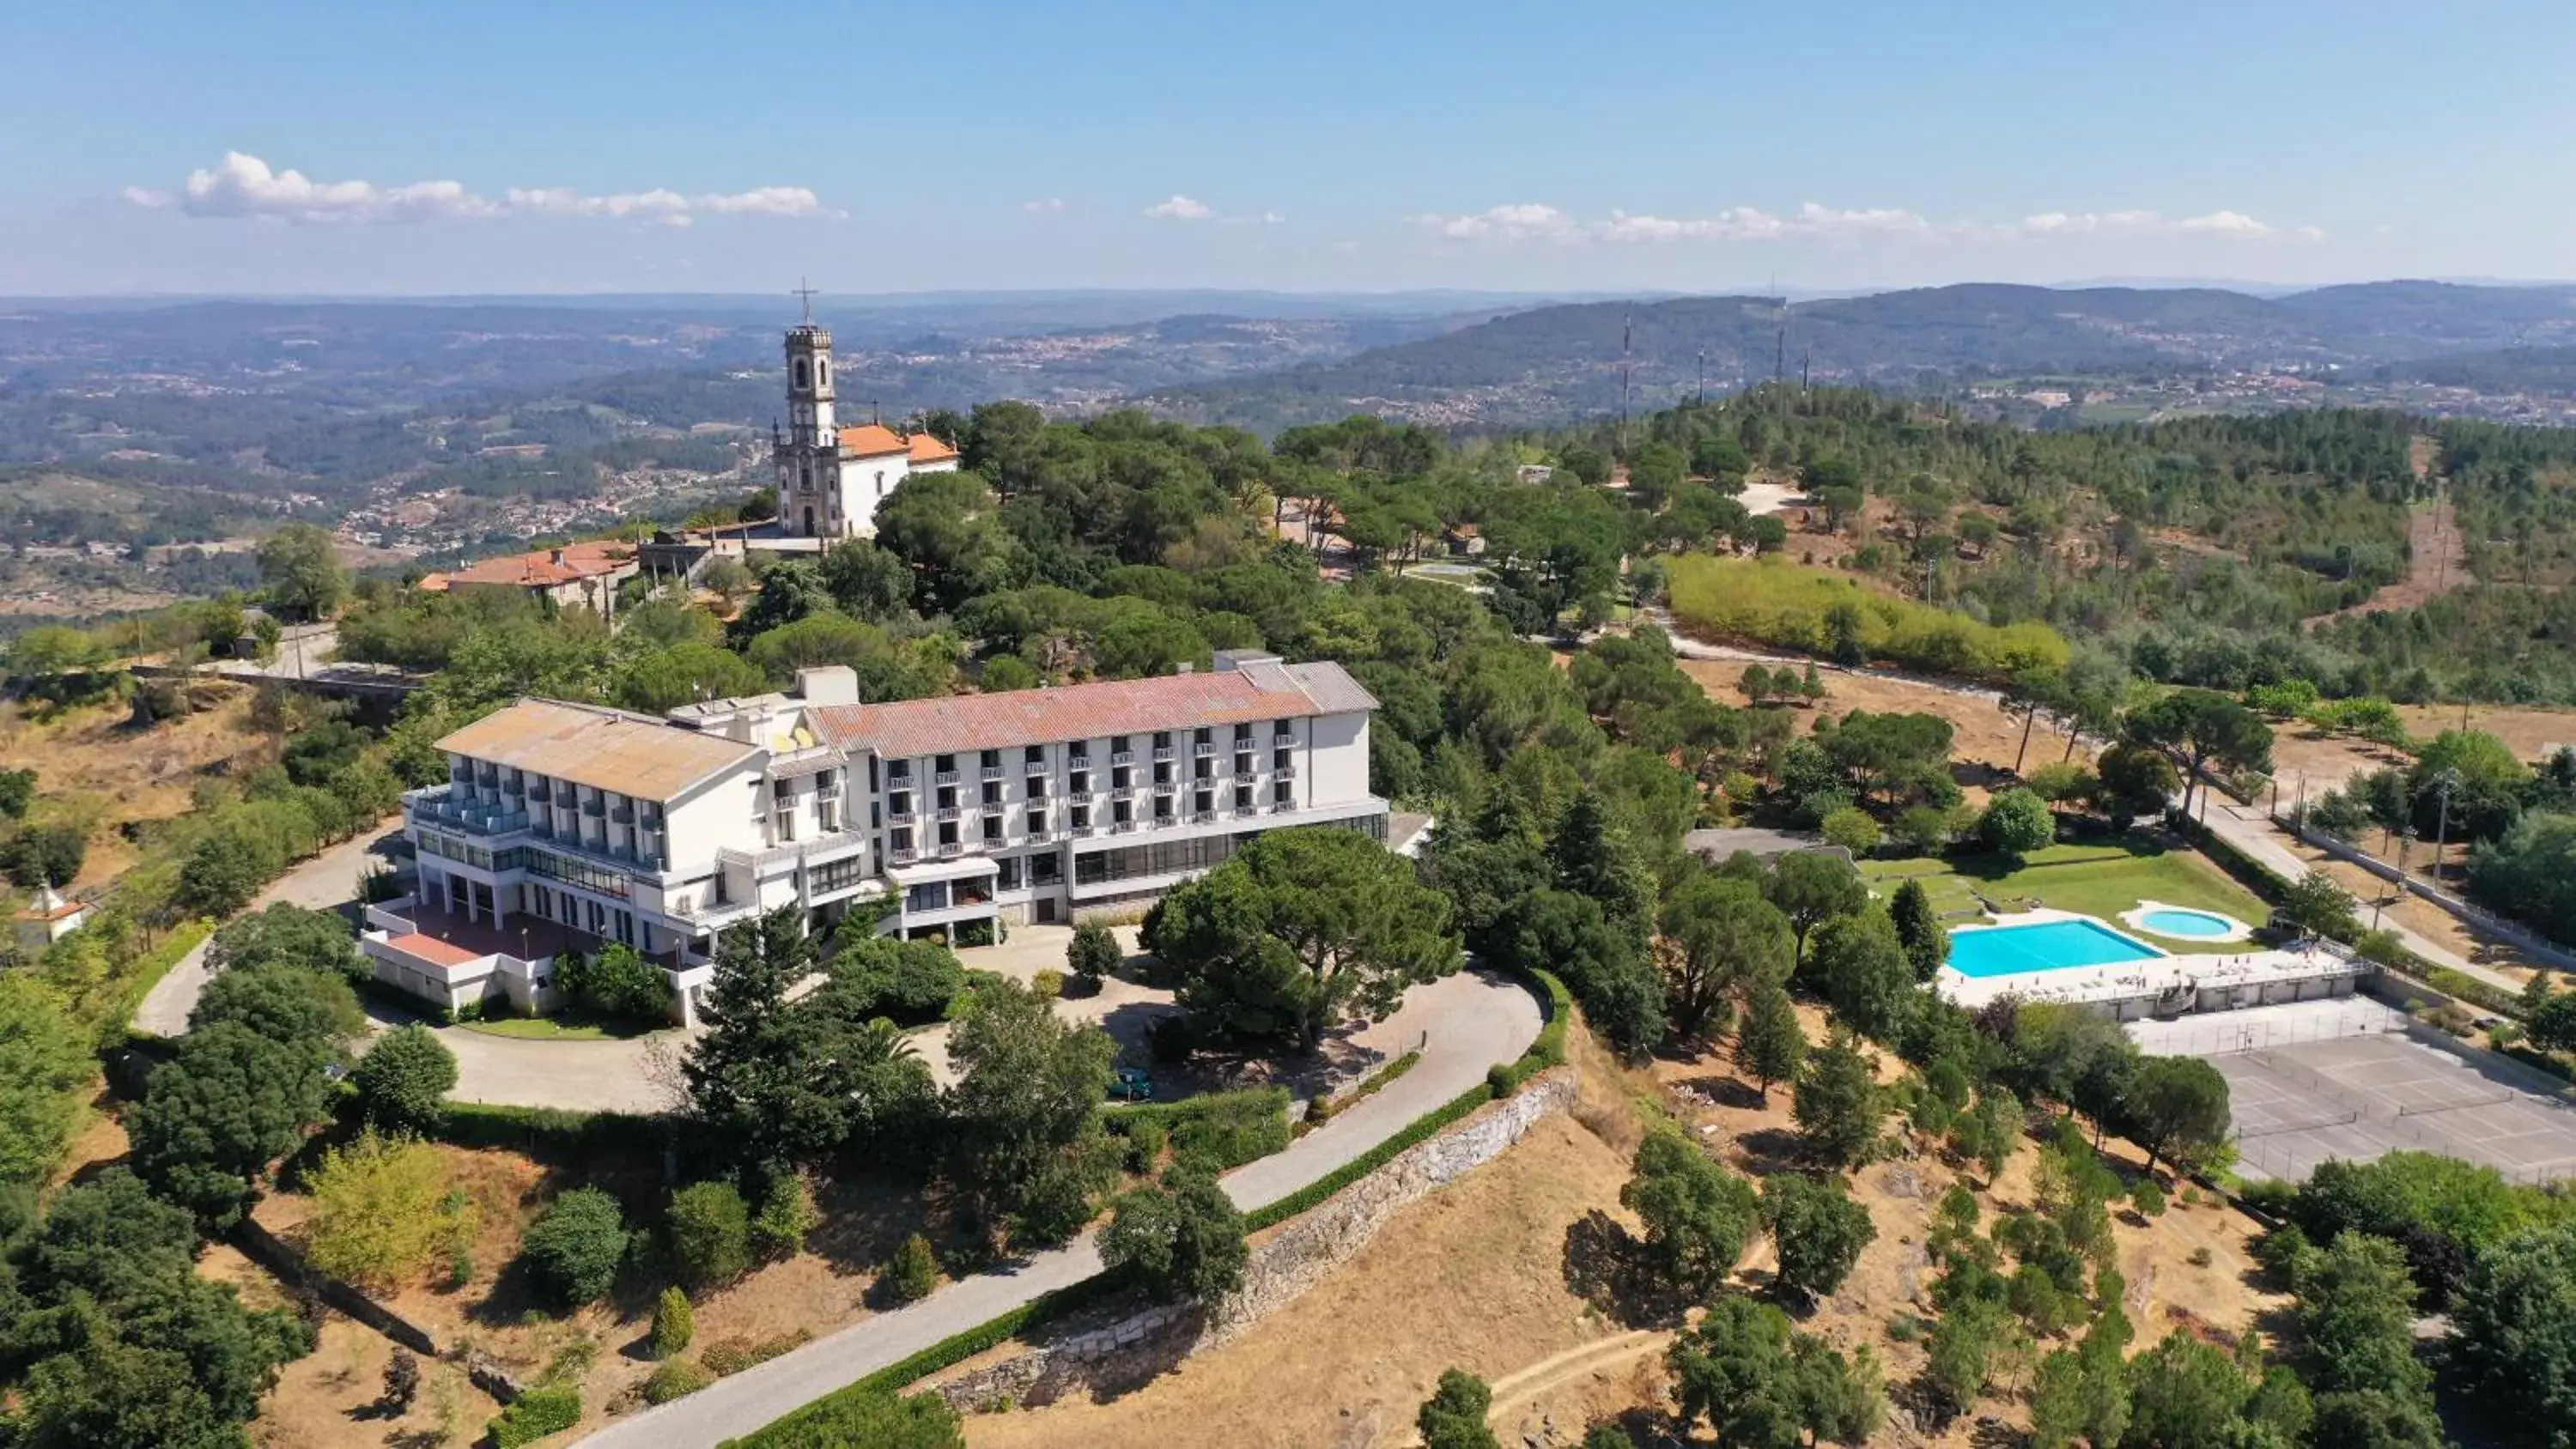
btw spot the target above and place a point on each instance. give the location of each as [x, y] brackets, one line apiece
[2187, 924]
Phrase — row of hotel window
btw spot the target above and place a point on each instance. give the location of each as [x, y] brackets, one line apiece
[1084, 816]
[1095, 867]
[1121, 777]
[537, 791]
[1078, 753]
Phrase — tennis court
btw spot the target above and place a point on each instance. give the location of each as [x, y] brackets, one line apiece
[2345, 1080]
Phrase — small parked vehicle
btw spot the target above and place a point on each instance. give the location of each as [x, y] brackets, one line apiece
[1132, 1084]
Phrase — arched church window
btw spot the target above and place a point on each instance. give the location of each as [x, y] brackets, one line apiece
[822, 372]
[802, 375]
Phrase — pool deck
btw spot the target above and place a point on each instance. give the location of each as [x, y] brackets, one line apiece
[2165, 985]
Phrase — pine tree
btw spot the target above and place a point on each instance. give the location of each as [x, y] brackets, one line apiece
[1770, 1045]
[748, 1076]
[1919, 928]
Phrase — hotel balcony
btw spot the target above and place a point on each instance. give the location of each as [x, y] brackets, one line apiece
[440, 805]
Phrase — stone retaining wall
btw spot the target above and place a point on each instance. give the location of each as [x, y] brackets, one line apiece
[1115, 1356]
[311, 1285]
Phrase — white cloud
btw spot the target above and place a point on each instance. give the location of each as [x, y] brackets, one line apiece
[247, 187]
[1044, 203]
[1179, 208]
[1519, 221]
[1535, 221]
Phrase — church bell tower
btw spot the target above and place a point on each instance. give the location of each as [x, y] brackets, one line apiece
[809, 455]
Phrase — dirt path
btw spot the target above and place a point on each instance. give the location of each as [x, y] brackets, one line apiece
[2437, 557]
[1516, 1390]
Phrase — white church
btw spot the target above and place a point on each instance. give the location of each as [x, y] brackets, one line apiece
[831, 478]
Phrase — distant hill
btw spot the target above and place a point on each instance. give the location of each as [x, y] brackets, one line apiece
[1550, 364]
[2550, 370]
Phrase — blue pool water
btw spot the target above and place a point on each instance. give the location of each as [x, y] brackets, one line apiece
[2187, 923]
[2049, 946]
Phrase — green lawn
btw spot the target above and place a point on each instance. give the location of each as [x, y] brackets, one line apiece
[563, 1028]
[2099, 880]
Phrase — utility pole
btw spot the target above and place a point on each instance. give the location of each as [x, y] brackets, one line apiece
[1703, 377]
[2442, 821]
[1806, 365]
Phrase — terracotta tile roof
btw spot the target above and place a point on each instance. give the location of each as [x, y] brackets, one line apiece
[431, 949]
[872, 440]
[928, 449]
[544, 568]
[601, 748]
[960, 723]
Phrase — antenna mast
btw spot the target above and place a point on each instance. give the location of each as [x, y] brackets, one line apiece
[1627, 335]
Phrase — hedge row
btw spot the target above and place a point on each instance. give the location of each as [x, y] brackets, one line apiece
[1314, 1193]
[2470, 989]
[482, 1124]
[812, 1423]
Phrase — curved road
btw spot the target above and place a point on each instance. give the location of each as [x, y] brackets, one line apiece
[1474, 1021]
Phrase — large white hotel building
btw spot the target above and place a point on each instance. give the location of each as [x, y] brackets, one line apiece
[564, 826]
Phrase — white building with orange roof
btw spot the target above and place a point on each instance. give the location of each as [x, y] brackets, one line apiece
[831, 477]
[575, 576]
[564, 826]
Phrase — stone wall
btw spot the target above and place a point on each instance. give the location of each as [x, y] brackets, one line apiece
[313, 1286]
[1117, 1355]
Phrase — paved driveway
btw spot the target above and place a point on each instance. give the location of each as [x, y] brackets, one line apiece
[1474, 1022]
[328, 881]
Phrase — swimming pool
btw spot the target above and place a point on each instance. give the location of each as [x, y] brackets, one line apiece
[2047, 946]
[2196, 925]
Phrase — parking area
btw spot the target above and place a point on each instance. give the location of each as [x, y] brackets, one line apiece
[2346, 1080]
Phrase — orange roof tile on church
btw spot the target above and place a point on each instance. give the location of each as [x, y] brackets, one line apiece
[928, 449]
[872, 440]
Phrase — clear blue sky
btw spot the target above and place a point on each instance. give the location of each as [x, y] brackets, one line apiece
[645, 146]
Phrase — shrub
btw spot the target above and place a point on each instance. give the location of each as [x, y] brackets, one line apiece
[1851, 828]
[1229, 1129]
[913, 1272]
[403, 1078]
[617, 981]
[908, 982]
[675, 1323]
[536, 1414]
[1048, 983]
[382, 1210]
[575, 1246]
[729, 1356]
[710, 1228]
[2016, 823]
[2149, 1198]
[786, 1215]
[1146, 1140]
[1182, 1238]
[1093, 955]
[673, 1379]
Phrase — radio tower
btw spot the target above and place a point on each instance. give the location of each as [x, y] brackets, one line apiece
[1627, 335]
